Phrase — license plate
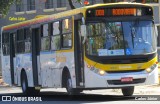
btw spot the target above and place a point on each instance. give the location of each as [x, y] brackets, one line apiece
[127, 79]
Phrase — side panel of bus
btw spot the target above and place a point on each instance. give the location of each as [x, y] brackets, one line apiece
[48, 65]
[6, 70]
[56, 53]
[23, 56]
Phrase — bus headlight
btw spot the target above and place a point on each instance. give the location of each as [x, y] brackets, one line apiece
[98, 71]
[148, 70]
[102, 72]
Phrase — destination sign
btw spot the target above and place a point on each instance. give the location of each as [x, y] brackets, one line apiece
[130, 11]
[121, 12]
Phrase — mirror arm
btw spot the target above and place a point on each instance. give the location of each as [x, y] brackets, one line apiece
[84, 40]
[83, 21]
[156, 29]
[84, 29]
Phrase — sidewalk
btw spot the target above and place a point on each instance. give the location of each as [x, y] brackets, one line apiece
[2, 84]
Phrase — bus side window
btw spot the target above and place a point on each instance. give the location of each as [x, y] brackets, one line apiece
[45, 37]
[27, 39]
[55, 39]
[5, 44]
[67, 33]
[20, 41]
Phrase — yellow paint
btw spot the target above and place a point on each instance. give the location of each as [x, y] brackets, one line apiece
[69, 13]
[65, 50]
[121, 67]
[60, 59]
[73, 34]
[40, 16]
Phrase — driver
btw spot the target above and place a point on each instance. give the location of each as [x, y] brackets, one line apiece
[142, 46]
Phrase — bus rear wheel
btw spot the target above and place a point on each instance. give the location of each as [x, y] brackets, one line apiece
[128, 91]
[24, 84]
[25, 89]
[70, 90]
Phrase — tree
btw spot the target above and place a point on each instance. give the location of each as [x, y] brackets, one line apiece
[71, 3]
[106, 1]
[79, 1]
[5, 6]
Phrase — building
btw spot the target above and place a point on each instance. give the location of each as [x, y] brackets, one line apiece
[29, 9]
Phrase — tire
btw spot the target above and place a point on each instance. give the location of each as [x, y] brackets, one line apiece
[128, 91]
[24, 84]
[34, 91]
[25, 89]
[70, 90]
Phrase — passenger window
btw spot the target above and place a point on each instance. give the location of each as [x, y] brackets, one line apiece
[55, 39]
[67, 33]
[45, 38]
[67, 25]
[67, 40]
[27, 36]
[20, 41]
[55, 42]
[56, 28]
[5, 44]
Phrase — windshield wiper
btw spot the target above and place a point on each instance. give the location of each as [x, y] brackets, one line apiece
[133, 32]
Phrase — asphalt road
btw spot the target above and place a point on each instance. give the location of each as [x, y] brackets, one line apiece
[59, 96]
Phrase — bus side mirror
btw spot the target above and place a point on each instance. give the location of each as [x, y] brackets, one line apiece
[83, 33]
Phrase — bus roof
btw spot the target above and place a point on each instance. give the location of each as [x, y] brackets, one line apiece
[52, 17]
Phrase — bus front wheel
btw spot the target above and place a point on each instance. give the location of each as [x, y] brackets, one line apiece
[128, 91]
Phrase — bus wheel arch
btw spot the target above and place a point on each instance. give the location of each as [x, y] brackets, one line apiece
[25, 87]
[65, 73]
[67, 82]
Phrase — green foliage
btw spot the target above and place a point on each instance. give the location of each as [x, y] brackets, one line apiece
[5, 6]
[79, 1]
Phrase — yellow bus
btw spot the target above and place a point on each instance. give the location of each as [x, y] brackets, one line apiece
[103, 46]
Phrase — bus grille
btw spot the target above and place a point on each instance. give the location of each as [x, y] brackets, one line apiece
[118, 82]
[128, 71]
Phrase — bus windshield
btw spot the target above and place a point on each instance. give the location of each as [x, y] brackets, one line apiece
[120, 38]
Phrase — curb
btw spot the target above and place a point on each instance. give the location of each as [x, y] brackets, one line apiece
[2, 84]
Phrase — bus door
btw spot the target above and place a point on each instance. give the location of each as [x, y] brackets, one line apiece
[35, 55]
[78, 53]
[12, 58]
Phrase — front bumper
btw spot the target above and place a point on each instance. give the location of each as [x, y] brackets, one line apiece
[113, 80]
